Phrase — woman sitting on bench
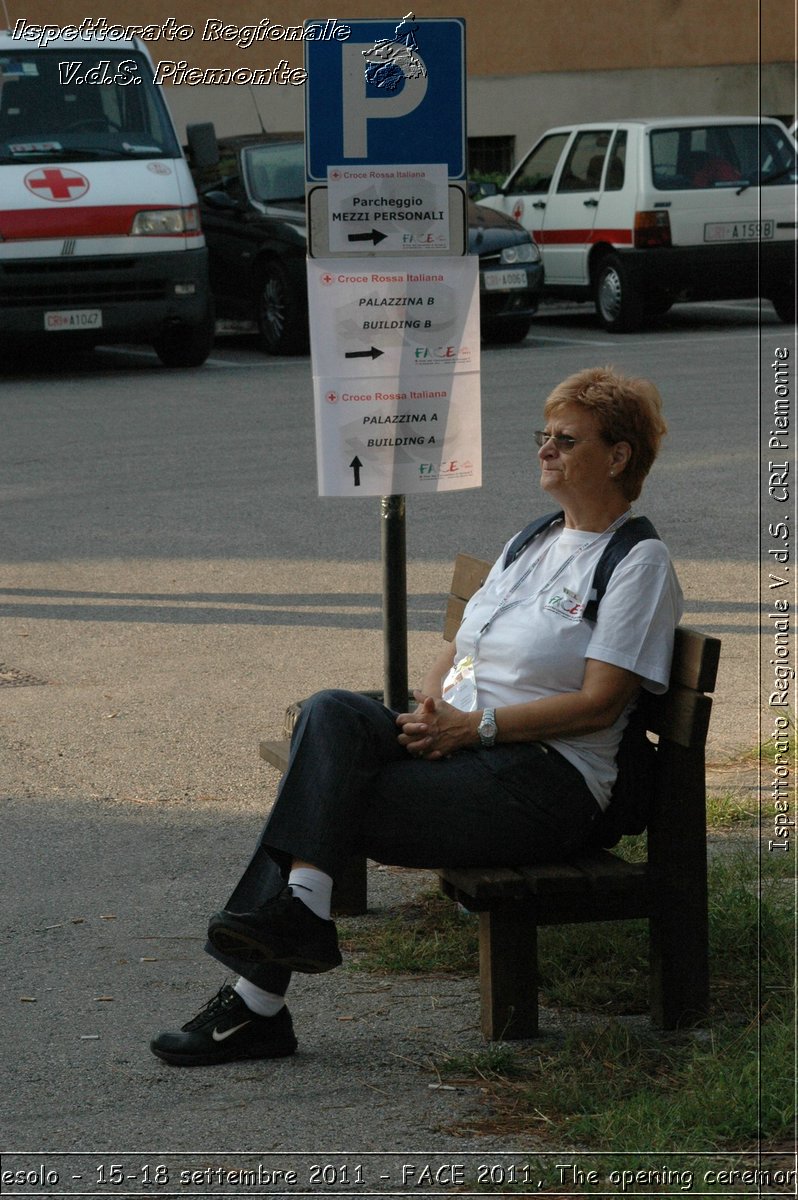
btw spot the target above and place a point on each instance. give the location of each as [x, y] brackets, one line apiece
[509, 756]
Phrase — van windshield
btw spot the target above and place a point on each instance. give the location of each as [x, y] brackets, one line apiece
[81, 105]
[721, 156]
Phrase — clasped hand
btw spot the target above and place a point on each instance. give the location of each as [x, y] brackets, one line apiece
[435, 729]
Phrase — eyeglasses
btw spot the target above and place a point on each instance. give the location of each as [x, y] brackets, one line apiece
[561, 440]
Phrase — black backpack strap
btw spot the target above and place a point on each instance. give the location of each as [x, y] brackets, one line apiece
[636, 529]
[528, 534]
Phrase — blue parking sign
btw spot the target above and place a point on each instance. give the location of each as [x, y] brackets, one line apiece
[392, 92]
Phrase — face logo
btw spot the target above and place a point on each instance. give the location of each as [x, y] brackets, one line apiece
[56, 183]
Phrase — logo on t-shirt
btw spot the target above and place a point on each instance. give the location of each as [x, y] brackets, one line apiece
[566, 604]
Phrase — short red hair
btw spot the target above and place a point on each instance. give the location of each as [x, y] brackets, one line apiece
[627, 409]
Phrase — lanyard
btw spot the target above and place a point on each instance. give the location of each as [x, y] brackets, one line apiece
[506, 603]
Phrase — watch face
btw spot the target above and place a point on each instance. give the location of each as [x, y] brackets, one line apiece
[487, 729]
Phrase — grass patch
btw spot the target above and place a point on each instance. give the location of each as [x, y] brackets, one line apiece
[430, 936]
[620, 1086]
[767, 751]
[616, 1083]
[731, 812]
[613, 1083]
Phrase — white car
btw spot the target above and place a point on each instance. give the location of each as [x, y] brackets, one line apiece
[638, 214]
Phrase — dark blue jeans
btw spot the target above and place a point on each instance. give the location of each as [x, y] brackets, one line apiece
[350, 788]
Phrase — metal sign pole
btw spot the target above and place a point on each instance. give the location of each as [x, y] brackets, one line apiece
[394, 601]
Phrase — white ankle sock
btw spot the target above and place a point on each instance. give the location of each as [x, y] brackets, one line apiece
[313, 888]
[264, 1004]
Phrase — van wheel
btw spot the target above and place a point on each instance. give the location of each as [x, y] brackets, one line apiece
[784, 305]
[185, 345]
[282, 320]
[619, 306]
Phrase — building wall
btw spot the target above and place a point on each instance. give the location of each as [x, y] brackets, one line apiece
[524, 106]
[541, 64]
[529, 36]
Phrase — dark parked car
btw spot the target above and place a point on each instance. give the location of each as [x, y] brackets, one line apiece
[253, 215]
[510, 274]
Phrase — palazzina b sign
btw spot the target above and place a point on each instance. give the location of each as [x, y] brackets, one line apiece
[397, 407]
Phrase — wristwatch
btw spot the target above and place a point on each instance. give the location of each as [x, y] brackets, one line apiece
[487, 728]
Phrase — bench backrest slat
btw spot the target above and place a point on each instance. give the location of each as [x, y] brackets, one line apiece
[695, 660]
[681, 715]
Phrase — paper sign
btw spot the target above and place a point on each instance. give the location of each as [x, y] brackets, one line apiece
[379, 439]
[379, 318]
[395, 354]
[388, 208]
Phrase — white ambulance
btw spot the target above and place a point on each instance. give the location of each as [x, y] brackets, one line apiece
[638, 214]
[100, 238]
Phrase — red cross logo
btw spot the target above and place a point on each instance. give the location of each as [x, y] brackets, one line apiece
[326, 279]
[332, 397]
[56, 183]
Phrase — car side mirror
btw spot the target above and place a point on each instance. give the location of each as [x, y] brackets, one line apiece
[202, 144]
[477, 189]
[222, 200]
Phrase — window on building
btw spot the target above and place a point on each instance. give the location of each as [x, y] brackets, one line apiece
[490, 155]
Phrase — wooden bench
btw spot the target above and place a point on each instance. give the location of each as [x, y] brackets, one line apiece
[669, 888]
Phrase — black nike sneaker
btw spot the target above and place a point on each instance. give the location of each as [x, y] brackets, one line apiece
[224, 1030]
[282, 931]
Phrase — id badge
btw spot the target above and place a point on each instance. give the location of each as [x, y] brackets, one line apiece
[460, 685]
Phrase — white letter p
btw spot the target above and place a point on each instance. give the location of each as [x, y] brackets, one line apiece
[359, 108]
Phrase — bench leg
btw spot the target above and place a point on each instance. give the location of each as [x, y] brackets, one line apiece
[677, 858]
[508, 972]
[680, 962]
[350, 889]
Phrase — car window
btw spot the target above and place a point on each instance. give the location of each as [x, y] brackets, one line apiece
[616, 170]
[224, 174]
[536, 171]
[585, 162]
[276, 171]
[711, 156]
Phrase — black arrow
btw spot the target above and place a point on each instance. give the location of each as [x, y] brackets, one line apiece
[372, 353]
[356, 464]
[372, 236]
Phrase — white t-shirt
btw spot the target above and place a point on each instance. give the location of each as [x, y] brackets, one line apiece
[525, 630]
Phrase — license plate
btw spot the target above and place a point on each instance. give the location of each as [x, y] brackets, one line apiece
[502, 281]
[73, 318]
[738, 231]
